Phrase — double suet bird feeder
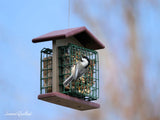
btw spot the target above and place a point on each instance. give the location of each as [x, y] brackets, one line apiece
[55, 66]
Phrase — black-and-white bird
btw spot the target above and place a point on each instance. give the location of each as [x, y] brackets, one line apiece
[78, 70]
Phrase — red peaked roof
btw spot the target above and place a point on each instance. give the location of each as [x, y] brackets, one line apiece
[82, 34]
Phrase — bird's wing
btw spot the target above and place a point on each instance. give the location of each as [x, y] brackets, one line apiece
[73, 69]
[76, 72]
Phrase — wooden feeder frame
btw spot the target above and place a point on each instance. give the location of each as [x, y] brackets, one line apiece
[81, 37]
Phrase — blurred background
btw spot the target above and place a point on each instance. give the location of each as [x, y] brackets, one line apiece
[129, 65]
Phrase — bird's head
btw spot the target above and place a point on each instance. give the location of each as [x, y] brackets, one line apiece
[85, 61]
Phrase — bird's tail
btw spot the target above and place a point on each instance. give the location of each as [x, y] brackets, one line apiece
[68, 80]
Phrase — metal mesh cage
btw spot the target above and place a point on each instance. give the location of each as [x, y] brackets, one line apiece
[87, 86]
[46, 71]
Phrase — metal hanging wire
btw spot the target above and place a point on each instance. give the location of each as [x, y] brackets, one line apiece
[68, 13]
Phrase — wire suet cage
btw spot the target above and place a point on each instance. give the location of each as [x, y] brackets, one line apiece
[46, 71]
[87, 86]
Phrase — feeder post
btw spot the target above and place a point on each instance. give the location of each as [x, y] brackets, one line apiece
[55, 69]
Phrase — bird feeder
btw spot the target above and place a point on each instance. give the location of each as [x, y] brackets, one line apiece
[55, 66]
